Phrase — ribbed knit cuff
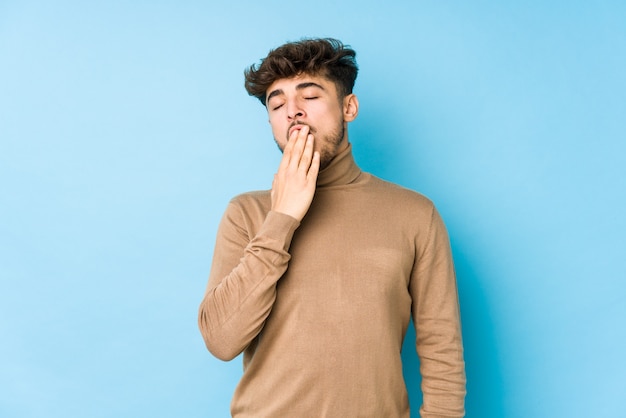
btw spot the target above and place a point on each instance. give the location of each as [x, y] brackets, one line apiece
[280, 227]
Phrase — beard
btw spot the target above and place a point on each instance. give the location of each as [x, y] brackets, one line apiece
[329, 143]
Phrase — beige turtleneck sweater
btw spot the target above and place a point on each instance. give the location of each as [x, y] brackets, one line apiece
[320, 309]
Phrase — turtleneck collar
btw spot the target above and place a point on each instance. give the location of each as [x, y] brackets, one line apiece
[341, 170]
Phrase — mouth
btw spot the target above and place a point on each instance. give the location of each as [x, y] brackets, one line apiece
[294, 128]
[297, 127]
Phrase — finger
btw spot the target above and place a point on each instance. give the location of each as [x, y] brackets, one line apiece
[287, 151]
[315, 167]
[307, 154]
[298, 147]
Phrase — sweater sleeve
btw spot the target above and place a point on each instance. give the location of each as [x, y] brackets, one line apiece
[242, 283]
[437, 324]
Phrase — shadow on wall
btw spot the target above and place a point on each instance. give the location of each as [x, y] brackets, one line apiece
[377, 140]
[485, 390]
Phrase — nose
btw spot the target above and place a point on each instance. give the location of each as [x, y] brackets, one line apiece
[294, 110]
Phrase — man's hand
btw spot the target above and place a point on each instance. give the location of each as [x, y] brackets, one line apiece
[294, 183]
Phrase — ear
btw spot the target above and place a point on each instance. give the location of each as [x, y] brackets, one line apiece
[350, 107]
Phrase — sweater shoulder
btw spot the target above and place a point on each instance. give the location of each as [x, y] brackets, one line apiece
[398, 194]
[253, 206]
[254, 197]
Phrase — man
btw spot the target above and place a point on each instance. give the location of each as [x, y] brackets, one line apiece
[316, 280]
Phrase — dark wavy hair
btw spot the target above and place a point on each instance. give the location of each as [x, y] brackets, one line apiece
[324, 57]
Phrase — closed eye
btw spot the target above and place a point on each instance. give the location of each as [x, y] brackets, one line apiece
[277, 107]
[311, 98]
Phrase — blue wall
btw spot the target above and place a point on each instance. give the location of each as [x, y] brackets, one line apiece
[125, 129]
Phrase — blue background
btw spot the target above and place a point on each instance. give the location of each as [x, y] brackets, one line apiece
[125, 130]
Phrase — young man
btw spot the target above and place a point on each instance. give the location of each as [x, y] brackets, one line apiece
[316, 280]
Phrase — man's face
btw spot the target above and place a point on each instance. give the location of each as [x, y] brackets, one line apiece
[313, 101]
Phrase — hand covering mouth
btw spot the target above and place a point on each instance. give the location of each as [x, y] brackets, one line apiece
[298, 126]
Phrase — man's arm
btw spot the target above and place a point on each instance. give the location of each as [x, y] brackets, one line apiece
[437, 325]
[244, 272]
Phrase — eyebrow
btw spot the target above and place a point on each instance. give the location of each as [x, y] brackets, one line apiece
[300, 86]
